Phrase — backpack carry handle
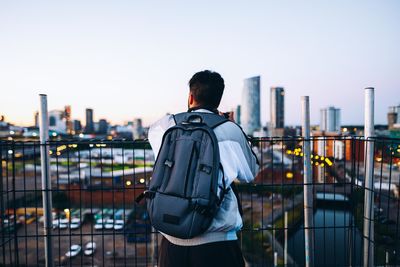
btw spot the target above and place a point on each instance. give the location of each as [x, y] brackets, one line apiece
[212, 120]
[194, 119]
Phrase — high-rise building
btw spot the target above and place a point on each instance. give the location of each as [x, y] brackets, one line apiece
[392, 117]
[57, 121]
[89, 128]
[103, 126]
[330, 119]
[137, 129]
[68, 121]
[277, 107]
[37, 119]
[398, 114]
[77, 126]
[250, 108]
[237, 115]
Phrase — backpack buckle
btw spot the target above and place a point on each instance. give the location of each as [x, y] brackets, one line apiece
[205, 168]
[169, 163]
[146, 194]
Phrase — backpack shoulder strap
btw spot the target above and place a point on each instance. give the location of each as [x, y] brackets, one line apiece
[211, 119]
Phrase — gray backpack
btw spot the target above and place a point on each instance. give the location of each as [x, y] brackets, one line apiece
[182, 198]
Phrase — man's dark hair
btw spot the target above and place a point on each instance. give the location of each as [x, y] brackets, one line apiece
[207, 88]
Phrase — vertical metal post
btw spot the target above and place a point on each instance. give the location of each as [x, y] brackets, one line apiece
[387, 258]
[308, 187]
[369, 178]
[285, 249]
[46, 180]
[153, 247]
[275, 259]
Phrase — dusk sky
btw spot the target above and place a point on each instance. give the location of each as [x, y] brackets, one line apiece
[129, 59]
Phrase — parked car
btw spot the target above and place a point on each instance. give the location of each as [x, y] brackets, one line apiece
[118, 225]
[90, 248]
[64, 221]
[98, 226]
[60, 223]
[73, 251]
[109, 224]
[75, 223]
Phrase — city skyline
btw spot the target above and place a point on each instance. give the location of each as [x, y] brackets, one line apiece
[117, 59]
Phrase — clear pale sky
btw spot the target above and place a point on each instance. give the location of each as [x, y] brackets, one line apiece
[128, 59]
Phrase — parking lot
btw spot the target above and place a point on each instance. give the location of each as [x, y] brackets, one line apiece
[127, 246]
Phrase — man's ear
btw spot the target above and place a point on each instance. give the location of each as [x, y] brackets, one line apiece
[191, 99]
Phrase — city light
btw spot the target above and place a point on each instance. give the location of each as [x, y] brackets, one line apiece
[61, 148]
[141, 180]
[328, 161]
[128, 183]
[67, 213]
[289, 175]
[101, 145]
[321, 160]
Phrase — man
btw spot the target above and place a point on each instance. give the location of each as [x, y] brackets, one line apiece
[218, 246]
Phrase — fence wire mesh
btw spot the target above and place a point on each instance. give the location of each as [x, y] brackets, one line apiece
[96, 221]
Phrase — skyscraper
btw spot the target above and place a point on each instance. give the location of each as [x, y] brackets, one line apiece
[37, 119]
[330, 119]
[392, 117]
[250, 108]
[67, 116]
[89, 128]
[277, 107]
[137, 129]
[103, 126]
[77, 126]
[57, 121]
[237, 115]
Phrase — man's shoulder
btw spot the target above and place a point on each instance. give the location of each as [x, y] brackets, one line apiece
[164, 122]
[229, 131]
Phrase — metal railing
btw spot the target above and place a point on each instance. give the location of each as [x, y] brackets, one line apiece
[94, 184]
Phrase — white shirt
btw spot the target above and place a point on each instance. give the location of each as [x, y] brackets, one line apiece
[238, 162]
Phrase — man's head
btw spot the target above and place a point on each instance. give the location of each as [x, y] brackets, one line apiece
[206, 89]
